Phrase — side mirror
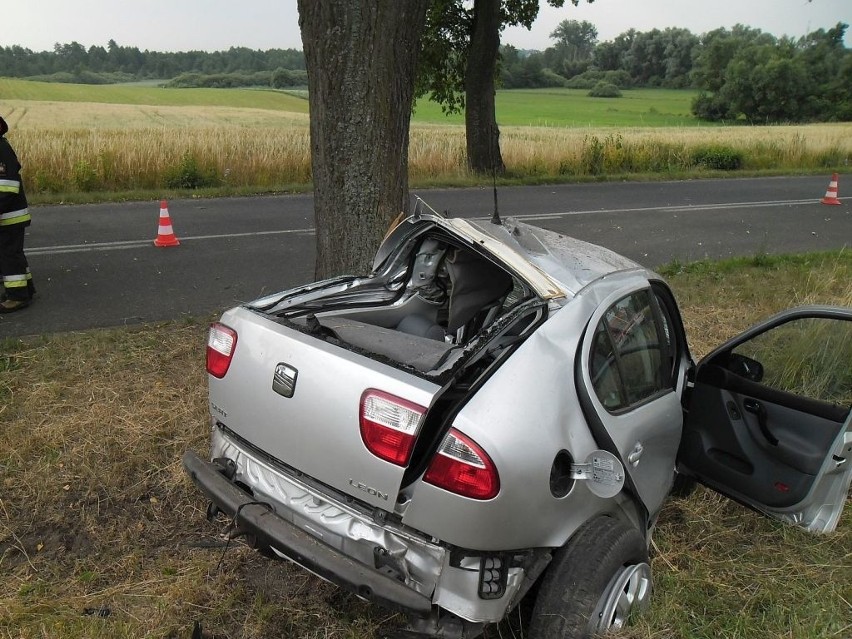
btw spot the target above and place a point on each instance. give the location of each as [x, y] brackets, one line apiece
[746, 367]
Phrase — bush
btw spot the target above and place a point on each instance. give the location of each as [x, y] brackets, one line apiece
[84, 76]
[85, 176]
[605, 90]
[592, 77]
[579, 82]
[721, 158]
[592, 156]
[184, 80]
[551, 79]
[90, 77]
[585, 80]
[45, 182]
[709, 107]
[619, 78]
[189, 175]
[221, 80]
[59, 76]
[285, 78]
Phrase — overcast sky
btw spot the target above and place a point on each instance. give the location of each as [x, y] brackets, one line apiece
[211, 25]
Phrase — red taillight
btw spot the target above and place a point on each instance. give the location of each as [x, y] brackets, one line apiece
[221, 343]
[389, 425]
[462, 467]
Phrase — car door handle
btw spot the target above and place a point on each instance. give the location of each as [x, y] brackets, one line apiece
[756, 408]
[635, 455]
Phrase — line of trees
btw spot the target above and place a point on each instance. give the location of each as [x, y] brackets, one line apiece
[742, 73]
[747, 74]
[656, 58]
[74, 59]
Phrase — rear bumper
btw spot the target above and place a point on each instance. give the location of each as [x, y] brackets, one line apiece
[297, 545]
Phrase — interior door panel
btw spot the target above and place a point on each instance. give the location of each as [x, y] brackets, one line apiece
[768, 417]
[729, 443]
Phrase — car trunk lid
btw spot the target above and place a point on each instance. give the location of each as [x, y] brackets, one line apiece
[299, 399]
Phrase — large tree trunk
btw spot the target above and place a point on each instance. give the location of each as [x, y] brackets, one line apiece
[361, 59]
[483, 136]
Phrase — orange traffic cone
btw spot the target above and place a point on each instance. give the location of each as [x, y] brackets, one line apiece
[165, 234]
[831, 193]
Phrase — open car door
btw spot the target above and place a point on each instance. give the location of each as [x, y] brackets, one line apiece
[768, 419]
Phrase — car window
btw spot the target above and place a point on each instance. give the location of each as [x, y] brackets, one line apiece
[627, 352]
[809, 357]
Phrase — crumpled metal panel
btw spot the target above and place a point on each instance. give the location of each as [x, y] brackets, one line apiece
[571, 262]
[418, 562]
[458, 593]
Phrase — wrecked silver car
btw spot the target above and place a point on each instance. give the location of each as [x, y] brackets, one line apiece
[499, 411]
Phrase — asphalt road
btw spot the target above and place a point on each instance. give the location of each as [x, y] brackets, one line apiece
[96, 265]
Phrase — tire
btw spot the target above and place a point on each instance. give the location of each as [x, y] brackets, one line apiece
[593, 582]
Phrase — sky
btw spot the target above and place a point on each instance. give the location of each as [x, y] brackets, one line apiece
[212, 25]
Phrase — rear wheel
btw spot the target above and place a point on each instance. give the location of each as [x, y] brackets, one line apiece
[593, 583]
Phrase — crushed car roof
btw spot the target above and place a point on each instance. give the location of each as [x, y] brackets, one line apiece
[571, 262]
[554, 265]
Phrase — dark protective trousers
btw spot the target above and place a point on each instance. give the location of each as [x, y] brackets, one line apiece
[14, 269]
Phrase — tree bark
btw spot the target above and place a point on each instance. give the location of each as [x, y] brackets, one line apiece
[482, 134]
[361, 58]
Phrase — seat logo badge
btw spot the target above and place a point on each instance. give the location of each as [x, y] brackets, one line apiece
[284, 380]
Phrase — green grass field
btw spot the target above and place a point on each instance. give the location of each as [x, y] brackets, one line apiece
[144, 94]
[574, 108]
[518, 107]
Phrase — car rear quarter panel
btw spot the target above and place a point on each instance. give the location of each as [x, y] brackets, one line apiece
[522, 417]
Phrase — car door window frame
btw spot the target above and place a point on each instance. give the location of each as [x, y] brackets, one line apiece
[677, 350]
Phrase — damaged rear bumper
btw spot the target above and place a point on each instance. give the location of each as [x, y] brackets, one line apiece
[288, 540]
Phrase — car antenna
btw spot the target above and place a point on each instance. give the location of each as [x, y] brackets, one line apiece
[421, 207]
[495, 217]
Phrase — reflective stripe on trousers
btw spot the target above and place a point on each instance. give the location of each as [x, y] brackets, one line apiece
[10, 186]
[17, 281]
[14, 269]
[15, 217]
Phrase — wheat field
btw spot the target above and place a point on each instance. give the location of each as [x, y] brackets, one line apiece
[77, 146]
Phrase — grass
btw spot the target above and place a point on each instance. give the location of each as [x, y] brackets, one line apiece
[96, 513]
[574, 108]
[144, 94]
[522, 107]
